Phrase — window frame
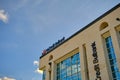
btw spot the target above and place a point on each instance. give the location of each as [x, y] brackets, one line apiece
[111, 57]
[71, 65]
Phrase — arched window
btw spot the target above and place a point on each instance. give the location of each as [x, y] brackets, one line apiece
[103, 25]
[51, 57]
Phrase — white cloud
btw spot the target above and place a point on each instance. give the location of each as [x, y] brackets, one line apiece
[39, 71]
[3, 16]
[7, 78]
[36, 63]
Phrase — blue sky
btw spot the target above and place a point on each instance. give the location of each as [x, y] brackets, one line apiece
[29, 26]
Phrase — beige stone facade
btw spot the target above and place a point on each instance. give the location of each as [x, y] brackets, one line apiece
[94, 34]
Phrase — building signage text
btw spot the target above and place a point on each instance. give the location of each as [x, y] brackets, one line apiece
[53, 46]
[96, 62]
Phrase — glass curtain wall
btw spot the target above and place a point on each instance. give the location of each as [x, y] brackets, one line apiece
[69, 69]
[112, 59]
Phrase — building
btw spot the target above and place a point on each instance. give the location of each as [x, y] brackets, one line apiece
[92, 53]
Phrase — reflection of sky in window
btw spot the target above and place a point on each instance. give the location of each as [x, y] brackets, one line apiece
[69, 69]
[112, 59]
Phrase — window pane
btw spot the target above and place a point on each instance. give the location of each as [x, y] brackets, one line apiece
[74, 69]
[112, 59]
[69, 69]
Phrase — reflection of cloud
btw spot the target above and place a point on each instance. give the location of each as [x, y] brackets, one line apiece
[39, 71]
[6, 78]
[36, 63]
[3, 16]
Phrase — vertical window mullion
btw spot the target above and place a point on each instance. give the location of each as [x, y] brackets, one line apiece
[69, 68]
[112, 58]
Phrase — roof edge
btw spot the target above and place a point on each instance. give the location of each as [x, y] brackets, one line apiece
[91, 23]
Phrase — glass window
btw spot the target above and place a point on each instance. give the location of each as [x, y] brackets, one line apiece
[112, 59]
[69, 69]
[44, 75]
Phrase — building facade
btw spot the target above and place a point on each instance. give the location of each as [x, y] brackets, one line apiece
[92, 53]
